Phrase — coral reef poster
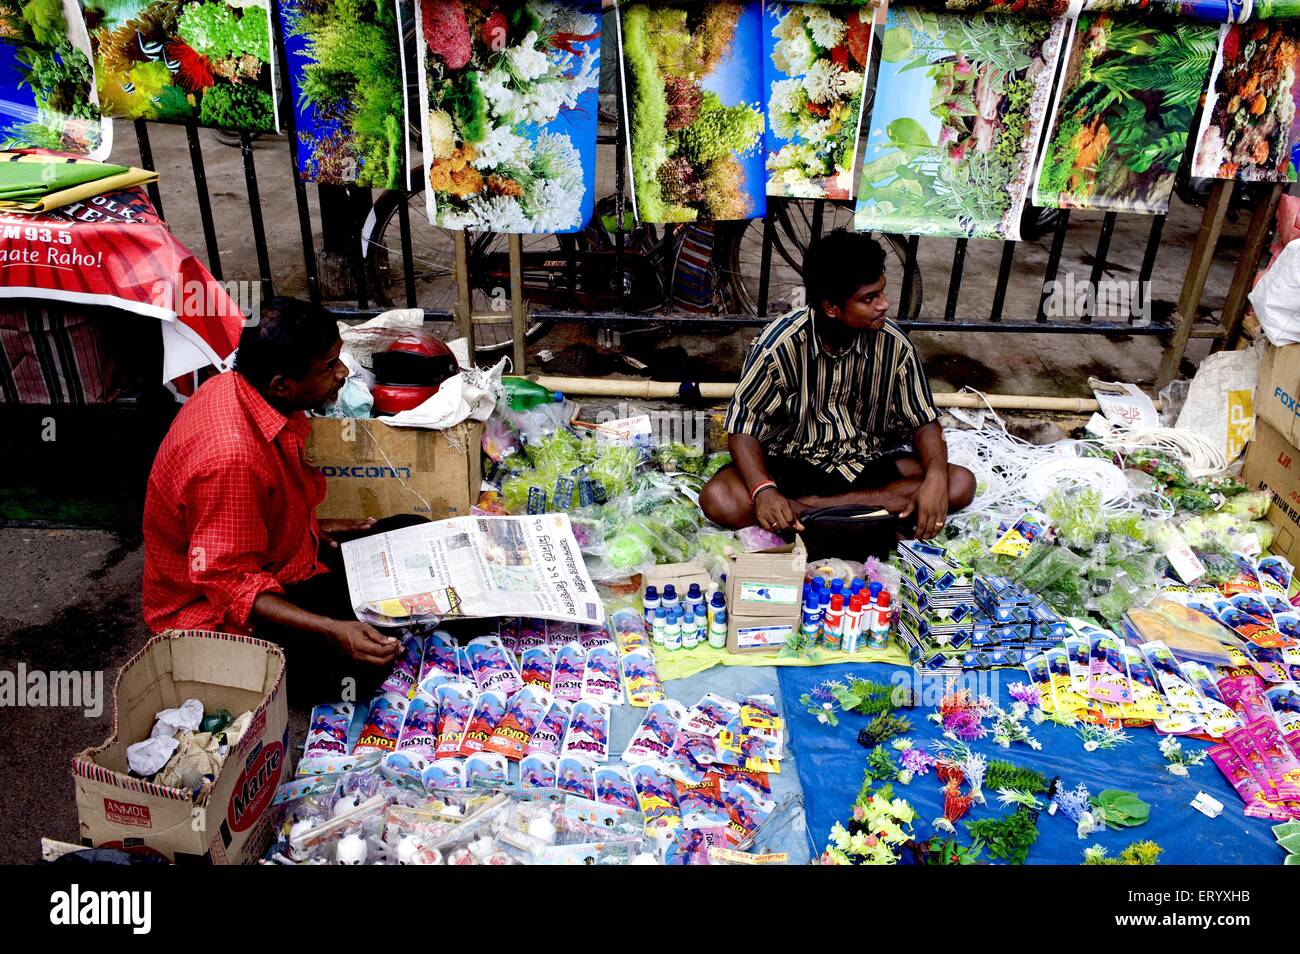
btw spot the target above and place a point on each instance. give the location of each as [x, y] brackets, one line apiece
[1125, 103]
[694, 91]
[346, 74]
[211, 61]
[508, 102]
[958, 114]
[816, 64]
[1248, 126]
[47, 85]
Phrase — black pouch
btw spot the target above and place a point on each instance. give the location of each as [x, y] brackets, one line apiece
[850, 532]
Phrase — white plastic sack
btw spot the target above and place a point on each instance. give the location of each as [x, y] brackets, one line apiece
[1220, 403]
[1276, 297]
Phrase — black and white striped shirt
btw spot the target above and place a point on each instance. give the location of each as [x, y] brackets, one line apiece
[838, 412]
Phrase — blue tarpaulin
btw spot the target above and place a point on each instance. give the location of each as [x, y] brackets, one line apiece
[830, 764]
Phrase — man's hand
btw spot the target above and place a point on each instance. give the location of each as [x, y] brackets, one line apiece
[930, 505]
[363, 642]
[776, 512]
[330, 527]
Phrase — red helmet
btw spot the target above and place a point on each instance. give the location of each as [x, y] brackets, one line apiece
[409, 372]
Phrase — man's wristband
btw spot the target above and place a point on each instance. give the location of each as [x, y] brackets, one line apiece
[758, 488]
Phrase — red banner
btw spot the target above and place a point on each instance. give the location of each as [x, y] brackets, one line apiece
[114, 250]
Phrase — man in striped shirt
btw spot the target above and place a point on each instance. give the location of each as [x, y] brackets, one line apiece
[827, 395]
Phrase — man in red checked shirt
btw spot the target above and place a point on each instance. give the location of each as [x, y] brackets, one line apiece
[231, 538]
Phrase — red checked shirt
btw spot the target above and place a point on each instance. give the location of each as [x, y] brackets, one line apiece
[230, 512]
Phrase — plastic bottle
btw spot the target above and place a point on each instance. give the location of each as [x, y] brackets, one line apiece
[716, 602]
[695, 599]
[837, 586]
[673, 632]
[857, 585]
[809, 624]
[880, 623]
[660, 626]
[690, 630]
[669, 601]
[823, 607]
[718, 626]
[651, 602]
[853, 623]
[833, 627]
[559, 411]
[524, 395]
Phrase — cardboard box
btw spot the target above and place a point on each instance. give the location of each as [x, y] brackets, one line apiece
[680, 575]
[1273, 464]
[764, 597]
[230, 823]
[1277, 391]
[373, 470]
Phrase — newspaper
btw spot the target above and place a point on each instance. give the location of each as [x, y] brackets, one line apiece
[472, 566]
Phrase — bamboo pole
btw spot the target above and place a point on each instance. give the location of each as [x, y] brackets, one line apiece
[637, 389]
[1198, 270]
[1257, 233]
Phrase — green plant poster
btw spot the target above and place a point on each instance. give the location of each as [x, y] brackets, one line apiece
[1249, 127]
[958, 114]
[816, 60]
[693, 82]
[47, 84]
[211, 61]
[348, 83]
[1125, 102]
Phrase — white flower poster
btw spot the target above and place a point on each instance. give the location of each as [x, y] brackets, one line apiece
[508, 99]
[816, 60]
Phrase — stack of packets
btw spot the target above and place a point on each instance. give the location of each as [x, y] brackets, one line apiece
[1221, 665]
[451, 715]
[700, 775]
[950, 621]
[363, 818]
[452, 718]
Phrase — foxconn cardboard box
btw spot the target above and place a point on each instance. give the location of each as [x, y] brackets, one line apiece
[1273, 464]
[229, 822]
[374, 470]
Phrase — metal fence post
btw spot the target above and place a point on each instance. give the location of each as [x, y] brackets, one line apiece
[518, 304]
[464, 315]
[1198, 270]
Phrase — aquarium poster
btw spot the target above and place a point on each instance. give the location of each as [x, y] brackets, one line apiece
[346, 74]
[958, 114]
[47, 83]
[694, 94]
[1248, 127]
[816, 60]
[1128, 91]
[509, 113]
[210, 61]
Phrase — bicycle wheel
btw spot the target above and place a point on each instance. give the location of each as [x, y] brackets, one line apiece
[433, 254]
[791, 233]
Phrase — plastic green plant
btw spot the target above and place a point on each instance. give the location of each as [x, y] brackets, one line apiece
[1003, 774]
[1008, 838]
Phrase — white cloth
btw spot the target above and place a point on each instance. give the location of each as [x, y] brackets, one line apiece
[170, 721]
